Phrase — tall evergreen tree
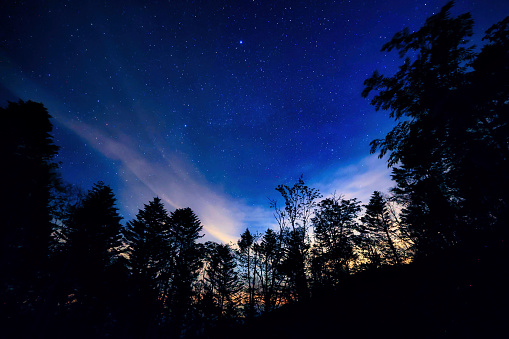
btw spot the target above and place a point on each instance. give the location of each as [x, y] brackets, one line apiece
[28, 151]
[483, 180]
[380, 226]
[29, 171]
[148, 240]
[270, 253]
[94, 245]
[149, 256]
[248, 261]
[223, 283]
[185, 263]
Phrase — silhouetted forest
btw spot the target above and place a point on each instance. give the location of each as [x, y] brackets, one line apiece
[426, 260]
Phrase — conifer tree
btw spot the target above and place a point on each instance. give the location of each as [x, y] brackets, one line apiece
[95, 242]
[184, 264]
[149, 255]
[270, 253]
[148, 240]
[28, 153]
[248, 261]
[378, 223]
[222, 279]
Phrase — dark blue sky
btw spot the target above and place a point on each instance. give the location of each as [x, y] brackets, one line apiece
[211, 105]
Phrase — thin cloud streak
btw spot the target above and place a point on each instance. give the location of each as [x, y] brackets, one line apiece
[358, 180]
[177, 182]
[224, 218]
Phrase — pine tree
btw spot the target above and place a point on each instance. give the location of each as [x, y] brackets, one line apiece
[148, 240]
[29, 169]
[270, 253]
[28, 151]
[149, 255]
[222, 279]
[95, 242]
[380, 226]
[248, 261]
[185, 264]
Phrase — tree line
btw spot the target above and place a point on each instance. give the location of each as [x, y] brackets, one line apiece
[75, 269]
[71, 268]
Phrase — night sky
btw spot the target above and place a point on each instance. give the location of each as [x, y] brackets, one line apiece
[212, 104]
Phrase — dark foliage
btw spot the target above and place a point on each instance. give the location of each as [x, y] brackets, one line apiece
[27, 150]
[249, 261]
[93, 268]
[183, 268]
[460, 294]
[450, 146]
[222, 280]
[294, 221]
[70, 269]
[149, 252]
[378, 222]
[334, 249]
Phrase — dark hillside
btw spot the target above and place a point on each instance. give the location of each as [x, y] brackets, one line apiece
[457, 295]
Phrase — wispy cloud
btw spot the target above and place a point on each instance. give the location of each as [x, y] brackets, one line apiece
[358, 180]
[180, 184]
[174, 179]
[176, 182]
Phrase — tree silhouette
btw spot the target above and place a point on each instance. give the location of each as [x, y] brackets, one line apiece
[248, 261]
[96, 230]
[334, 225]
[294, 220]
[484, 161]
[185, 262]
[147, 237]
[149, 255]
[65, 197]
[447, 135]
[222, 279]
[28, 151]
[270, 253]
[94, 245]
[378, 223]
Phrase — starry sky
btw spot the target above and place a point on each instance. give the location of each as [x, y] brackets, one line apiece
[212, 104]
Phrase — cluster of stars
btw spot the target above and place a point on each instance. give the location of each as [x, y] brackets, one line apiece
[251, 92]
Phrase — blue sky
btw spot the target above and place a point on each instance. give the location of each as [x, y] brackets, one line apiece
[211, 105]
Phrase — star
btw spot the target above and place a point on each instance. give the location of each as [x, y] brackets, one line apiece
[288, 101]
